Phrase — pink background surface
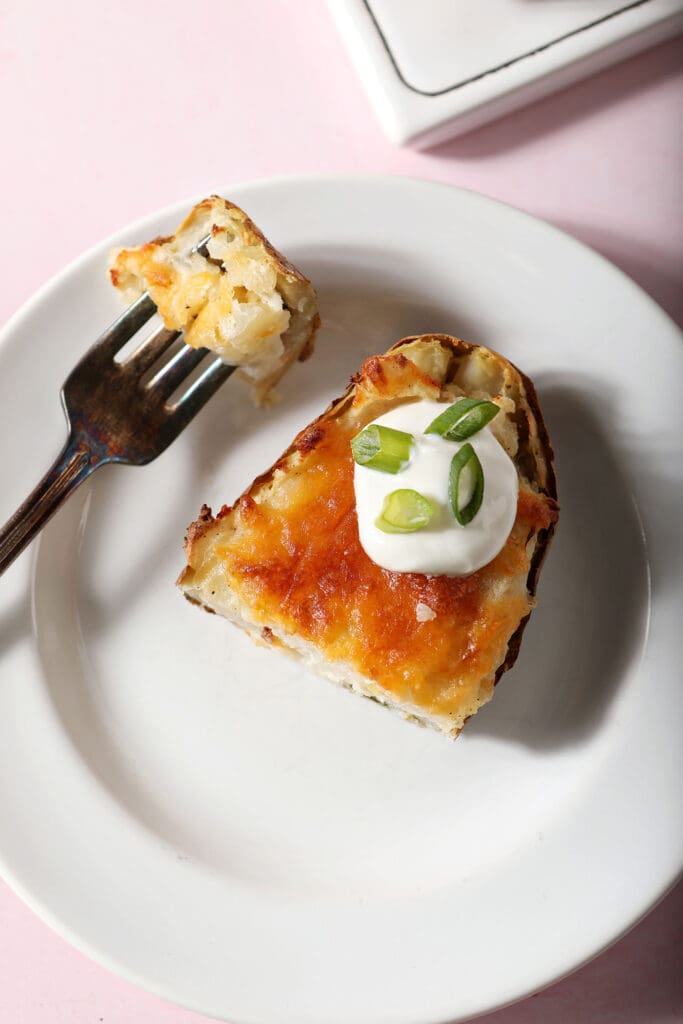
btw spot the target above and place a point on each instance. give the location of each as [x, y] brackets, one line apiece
[110, 111]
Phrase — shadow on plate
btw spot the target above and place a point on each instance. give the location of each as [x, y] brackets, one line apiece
[15, 623]
[591, 621]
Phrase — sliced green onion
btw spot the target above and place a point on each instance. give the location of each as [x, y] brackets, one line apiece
[404, 511]
[464, 418]
[382, 448]
[465, 484]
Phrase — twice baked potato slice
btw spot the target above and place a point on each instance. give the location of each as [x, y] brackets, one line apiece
[244, 300]
[285, 562]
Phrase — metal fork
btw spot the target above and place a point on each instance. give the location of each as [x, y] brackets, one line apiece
[113, 415]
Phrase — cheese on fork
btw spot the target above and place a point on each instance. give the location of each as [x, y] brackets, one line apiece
[286, 563]
[243, 300]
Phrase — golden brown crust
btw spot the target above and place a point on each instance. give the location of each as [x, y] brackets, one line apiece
[254, 236]
[545, 536]
[251, 233]
[289, 552]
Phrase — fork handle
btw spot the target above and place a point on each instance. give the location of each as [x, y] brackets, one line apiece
[71, 467]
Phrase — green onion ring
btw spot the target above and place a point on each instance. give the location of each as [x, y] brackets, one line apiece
[404, 511]
[464, 418]
[465, 459]
[382, 448]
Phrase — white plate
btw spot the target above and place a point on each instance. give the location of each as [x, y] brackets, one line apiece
[210, 821]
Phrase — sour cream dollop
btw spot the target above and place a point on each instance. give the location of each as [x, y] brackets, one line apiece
[443, 547]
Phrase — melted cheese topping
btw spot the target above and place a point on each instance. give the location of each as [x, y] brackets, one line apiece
[295, 559]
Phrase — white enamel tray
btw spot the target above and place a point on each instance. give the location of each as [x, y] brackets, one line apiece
[439, 68]
[208, 820]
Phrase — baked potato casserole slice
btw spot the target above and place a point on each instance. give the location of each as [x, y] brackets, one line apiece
[285, 561]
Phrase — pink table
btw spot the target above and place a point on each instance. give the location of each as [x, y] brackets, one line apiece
[112, 110]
